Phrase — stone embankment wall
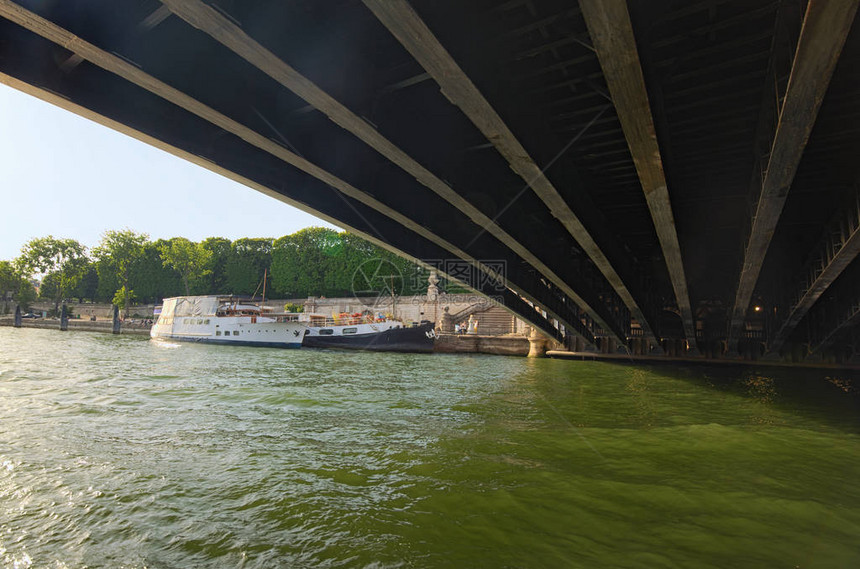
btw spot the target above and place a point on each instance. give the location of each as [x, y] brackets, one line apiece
[494, 321]
[79, 325]
[101, 311]
[472, 344]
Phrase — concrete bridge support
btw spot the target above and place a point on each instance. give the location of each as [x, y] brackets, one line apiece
[537, 344]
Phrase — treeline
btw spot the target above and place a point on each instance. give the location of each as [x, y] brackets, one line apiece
[128, 268]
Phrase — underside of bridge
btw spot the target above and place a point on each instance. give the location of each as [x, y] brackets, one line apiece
[675, 175]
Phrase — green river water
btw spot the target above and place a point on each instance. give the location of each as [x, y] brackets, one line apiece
[121, 452]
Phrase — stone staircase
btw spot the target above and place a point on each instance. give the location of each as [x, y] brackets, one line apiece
[492, 321]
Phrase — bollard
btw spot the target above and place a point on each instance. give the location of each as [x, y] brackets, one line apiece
[64, 318]
[17, 323]
[116, 322]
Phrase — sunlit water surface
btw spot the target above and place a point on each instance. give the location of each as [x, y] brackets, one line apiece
[117, 451]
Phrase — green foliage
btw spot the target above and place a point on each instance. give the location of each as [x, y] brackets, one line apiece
[312, 262]
[50, 286]
[120, 250]
[108, 280]
[123, 299]
[190, 260]
[322, 262]
[216, 280]
[248, 260]
[88, 286]
[26, 295]
[294, 307]
[150, 279]
[10, 278]
[299, 262]
[12, 281]
[62, 262]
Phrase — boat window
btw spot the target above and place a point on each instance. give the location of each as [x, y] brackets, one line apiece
[217, 332]
[206, 321]
[326, 332]
[350, 330]
[235, 332]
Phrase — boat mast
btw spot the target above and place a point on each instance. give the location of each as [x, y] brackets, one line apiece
[393, 300]
[263, 303]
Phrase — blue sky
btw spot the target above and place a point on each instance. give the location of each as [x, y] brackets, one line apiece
[66, 176]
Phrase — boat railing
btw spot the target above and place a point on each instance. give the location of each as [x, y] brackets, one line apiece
[317, 322]
[282, 317]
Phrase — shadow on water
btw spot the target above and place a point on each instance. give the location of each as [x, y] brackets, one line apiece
[829, 397]
[595, 464]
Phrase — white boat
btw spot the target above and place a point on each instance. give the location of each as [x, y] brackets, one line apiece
[226, 320]
[366, 332]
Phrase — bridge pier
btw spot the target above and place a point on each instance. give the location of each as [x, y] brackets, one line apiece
[537, 344]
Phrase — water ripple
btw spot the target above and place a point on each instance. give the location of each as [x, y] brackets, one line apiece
[122, 452]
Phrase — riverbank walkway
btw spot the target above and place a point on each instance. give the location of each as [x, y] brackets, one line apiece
[104, 326]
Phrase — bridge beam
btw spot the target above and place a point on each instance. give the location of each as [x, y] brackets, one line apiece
[611, 31]
[226, 32]
[364, 225]
[835, 318]
[840, 246]
[411, 31]
[382, 216]
[825, 28]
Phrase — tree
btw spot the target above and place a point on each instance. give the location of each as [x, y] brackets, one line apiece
[63, 260]
[89, 283]
[321, 261]
[123, 299]
[108, 281]
[10, 279]
[26, 295]
[216, 280]
[189, 259]
[119, 251]
[11, 282]
[152, 280]
[248, 260]
[311, 261]
[49, 289]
